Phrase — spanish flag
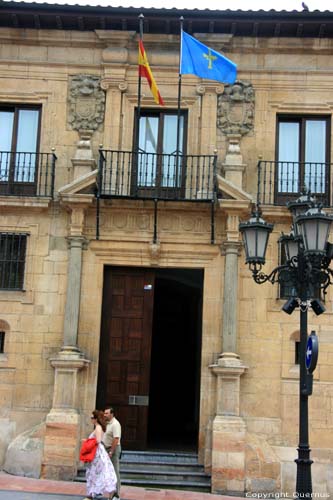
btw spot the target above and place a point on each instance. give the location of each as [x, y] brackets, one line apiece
[144, 70]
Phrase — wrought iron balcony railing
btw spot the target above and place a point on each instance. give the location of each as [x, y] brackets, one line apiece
[283, 181]
[27, 174]
[142, 175]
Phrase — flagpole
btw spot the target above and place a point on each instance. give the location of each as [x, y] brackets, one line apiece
[135, 154]
[181, 20]
[141, 17]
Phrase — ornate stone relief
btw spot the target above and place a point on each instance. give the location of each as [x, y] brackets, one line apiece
[235, 109]
[86, 102]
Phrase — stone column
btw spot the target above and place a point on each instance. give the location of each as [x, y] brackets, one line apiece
[228, 428]
[72, 307]
[62, 433]
[231, 250]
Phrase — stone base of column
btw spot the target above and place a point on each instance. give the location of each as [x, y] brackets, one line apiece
[228, 455]
[60, 454]
[62, 432]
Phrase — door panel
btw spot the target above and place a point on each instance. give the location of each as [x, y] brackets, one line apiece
[125, 349]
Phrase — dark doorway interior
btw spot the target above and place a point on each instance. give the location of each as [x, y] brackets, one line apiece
[173, 417]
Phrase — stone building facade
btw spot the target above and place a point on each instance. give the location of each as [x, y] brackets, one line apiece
[87, 254]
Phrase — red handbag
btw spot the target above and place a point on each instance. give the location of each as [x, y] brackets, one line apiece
[88, 450]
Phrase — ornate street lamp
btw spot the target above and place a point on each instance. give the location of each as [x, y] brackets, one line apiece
[308, 255]
[255, 234]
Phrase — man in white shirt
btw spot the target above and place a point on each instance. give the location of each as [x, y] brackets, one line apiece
[111, 440]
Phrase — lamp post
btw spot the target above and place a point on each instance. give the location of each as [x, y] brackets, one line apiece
[308, 255]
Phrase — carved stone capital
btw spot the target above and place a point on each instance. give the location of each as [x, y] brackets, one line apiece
[209, 88]
[77, 242]
[107, 83]
[77, 220]
[228, 247]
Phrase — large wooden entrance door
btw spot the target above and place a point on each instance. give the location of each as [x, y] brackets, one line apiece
[125, 348]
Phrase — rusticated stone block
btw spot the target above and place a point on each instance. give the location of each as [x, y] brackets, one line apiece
[58, 472]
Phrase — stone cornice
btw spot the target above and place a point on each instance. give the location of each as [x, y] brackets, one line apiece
[24, 201]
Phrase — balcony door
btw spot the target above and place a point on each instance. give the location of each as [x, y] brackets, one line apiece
[19, 132]
[159, 165]
[303, 157]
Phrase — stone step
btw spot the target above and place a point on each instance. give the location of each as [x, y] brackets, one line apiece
[160, 466]
[169, 484]
[157, 456]
[161, 470]
[164, 475]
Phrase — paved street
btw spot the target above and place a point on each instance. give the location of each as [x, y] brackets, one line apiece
[24, 495]
[22, 488]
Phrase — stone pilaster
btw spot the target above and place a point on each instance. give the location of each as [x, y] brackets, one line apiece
[62, 432]
[228, 428]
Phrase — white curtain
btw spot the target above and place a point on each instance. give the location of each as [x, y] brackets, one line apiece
[288, 175]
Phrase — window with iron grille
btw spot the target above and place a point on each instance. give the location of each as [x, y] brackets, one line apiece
[2, 342]
[303, 156]
[297, 344]
[12, 260]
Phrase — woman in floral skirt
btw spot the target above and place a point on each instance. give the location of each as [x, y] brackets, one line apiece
[100, 474]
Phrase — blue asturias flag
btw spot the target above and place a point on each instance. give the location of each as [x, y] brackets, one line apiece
[198, 59]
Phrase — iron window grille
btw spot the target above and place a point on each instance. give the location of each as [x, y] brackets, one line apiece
[297, 356]
[2, 342]
[12, 260]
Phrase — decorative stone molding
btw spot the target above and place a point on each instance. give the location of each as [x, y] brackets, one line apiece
[228, 370]
[200, 90]
[235, 109]
[83, 161]
[86, 103]
[155, 253]
[234, 158]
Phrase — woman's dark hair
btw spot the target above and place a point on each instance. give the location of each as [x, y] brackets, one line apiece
[99, 416]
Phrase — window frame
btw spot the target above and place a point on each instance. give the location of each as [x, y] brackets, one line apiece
[283, 197]
[10, 186]
[159, 190]
[7, 275]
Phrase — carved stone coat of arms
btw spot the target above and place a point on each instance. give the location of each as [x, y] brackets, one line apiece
[235, 109]
[86, 103]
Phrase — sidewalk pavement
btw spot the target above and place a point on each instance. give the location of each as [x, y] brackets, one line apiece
[23, 488]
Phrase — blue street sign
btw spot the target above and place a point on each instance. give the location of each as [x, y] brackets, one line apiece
[311, 353]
